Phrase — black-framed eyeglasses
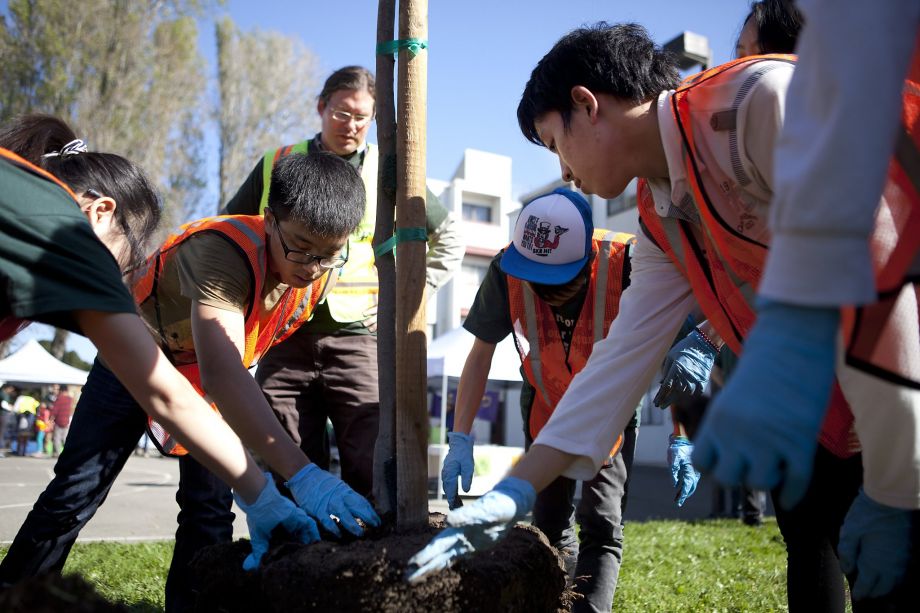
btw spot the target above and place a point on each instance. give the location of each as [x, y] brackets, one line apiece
[302, 257]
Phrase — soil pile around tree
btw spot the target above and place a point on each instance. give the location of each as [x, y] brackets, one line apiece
[522, 573]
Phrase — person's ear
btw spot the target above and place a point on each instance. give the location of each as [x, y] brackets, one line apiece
[270, 221]
[584, 100]
[100, 211]
[321, 107]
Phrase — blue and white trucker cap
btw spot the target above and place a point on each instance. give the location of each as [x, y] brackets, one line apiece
[551, 240]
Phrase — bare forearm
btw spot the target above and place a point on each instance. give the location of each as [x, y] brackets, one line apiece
[243, 405]
[472, 385]
[164, 394]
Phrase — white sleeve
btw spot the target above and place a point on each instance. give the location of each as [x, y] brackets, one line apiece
[603, 396]
[842, 116]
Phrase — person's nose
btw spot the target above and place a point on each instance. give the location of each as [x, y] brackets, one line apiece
[567, 174]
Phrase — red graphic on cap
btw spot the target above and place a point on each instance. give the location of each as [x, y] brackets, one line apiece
[536, 236]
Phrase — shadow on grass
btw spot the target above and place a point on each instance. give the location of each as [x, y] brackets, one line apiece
[142, 606]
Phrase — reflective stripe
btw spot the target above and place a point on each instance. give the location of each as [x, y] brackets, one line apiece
[533, 337]
[600, 289]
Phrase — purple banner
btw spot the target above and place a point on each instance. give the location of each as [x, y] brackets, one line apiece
[488, 408]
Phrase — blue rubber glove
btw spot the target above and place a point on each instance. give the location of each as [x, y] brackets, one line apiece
[322, 495]
[458, 463]
[268, 511]
[686, 370]
[475, 527]
[762, 430]
[875, 546]
[685, 477]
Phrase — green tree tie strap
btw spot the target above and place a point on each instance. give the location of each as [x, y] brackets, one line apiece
[402, 235]
[414, 45]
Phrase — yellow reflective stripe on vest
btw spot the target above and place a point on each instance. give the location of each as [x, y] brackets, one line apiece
[533, 338]
[357, 287]
[268, 164]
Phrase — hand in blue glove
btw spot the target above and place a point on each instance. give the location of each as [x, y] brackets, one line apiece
[874, 545]
[322, 495]
[475, 527]
[686, 369]
[268, 511]
[682, 472]
[458, 463]
[762, 430]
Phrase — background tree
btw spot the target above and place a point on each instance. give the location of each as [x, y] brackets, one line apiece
[267, 85]
[127, 75]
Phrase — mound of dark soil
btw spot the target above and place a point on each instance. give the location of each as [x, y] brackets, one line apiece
[522, 573]
[53, 593]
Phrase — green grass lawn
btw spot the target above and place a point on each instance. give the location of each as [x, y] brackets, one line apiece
[712, 566]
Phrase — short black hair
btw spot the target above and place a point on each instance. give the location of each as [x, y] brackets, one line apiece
[319, 190]
[778, 24]
[620, 60]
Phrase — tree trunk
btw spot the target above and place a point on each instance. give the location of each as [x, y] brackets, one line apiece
[385, 449]
[411, 372]
[59, 343]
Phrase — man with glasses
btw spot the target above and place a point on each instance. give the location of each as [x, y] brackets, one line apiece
[328, 368]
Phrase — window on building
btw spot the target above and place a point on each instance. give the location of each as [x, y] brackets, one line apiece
[479, 213]
[470, 278]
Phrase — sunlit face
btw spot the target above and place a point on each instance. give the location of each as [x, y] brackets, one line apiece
[346, 118]
[747, 40]
[297, 238]
[100, 211]
[596, 152]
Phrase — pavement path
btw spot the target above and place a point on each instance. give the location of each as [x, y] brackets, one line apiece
[142, 506]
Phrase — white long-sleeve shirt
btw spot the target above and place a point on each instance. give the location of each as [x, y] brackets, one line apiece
[603, 396]
[844, 108]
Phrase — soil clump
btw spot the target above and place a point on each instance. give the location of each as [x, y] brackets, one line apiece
[523, 573]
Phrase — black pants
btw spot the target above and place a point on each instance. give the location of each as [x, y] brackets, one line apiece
[811, 530]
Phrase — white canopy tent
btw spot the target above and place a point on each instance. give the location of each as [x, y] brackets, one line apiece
[32, 364]
[446, 356]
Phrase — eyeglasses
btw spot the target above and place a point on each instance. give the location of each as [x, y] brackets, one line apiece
[302, 257]
[345, 116]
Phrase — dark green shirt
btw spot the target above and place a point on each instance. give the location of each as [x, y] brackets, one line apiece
[248, 197]
[51, 262]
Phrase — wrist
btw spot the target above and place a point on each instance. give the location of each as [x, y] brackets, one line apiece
[706, 340]
[678, 438]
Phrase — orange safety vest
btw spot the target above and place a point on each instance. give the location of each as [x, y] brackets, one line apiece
[724, 266]
[872, 333]
[294, 308]
[536, 335]
[11, 326]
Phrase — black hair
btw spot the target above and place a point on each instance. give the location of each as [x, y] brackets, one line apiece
[137, 210]
[349, 78]
[31, 136]
[620, 60]
[778, 23]
[320, 190]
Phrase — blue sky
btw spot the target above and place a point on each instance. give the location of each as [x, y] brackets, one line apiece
[480, 56]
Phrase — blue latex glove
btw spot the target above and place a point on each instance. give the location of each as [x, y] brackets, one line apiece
[685, 477]
[322, 495]
[268, 511]
[875, 546]
[686, 370]
[475, 527]
[762, 430]
[458, 463]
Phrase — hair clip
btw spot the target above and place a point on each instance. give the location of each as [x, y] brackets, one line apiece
[72, 148]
